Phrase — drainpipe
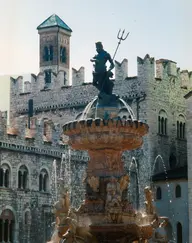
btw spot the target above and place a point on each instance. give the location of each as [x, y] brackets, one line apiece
[138, 100]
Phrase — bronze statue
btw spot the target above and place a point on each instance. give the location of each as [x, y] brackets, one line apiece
[101, 76]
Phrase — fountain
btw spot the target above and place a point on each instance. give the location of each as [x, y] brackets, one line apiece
[106, 215]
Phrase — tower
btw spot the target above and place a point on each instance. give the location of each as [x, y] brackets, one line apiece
[54, 47]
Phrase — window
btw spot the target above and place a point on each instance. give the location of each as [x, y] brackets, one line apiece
[45, 54]
[179, 233]
[178, 191]
[63, 56]
[162, 122]
[43, 181]
[23, 177]
[47, 76]
[4, 175]
[6, 226]
[158, 193]
[48, 53]
[181, 127]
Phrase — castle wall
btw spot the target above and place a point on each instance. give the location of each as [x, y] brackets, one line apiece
[159, 85]
[189, 150]
[168, 206]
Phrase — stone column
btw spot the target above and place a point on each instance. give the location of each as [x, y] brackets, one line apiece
[4, 170]
[8, 230]
[3, 229]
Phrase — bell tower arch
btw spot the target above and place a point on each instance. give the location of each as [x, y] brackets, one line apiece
[54, 46]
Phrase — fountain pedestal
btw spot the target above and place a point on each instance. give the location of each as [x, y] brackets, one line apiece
[106, 203]
[106, 215]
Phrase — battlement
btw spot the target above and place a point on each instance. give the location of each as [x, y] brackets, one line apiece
[56, 95]
[43, 137]
[78, 76]
[34, 132]
[55, 81]
[163, 69]
[166, 67]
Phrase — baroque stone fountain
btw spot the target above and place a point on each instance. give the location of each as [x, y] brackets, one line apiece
[105, 129]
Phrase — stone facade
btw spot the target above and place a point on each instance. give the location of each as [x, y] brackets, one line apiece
[189, 151]
[156, 96]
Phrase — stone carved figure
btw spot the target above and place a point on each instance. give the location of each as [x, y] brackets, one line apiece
[150, 209]
[113, 191]
[94, 183]
[113, 204]
[75, 233]
[101, 76]
[159, 232]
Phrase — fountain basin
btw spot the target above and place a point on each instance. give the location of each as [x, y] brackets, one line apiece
[92, 134]
[115, 232]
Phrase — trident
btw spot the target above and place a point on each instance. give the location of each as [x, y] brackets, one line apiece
[120, 38]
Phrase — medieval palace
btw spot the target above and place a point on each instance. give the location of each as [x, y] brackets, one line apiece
[33, 151]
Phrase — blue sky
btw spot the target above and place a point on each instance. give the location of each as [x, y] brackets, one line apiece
[159, 28]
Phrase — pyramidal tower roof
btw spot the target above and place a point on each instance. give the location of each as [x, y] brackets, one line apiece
[54, 21]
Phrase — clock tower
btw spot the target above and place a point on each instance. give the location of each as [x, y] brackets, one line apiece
[54, 46]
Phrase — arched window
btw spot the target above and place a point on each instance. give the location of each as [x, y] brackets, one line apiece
[181, 127]
[46, 54]
[63, 56]
[23, 177]
[162, 123]
[43, 181]
[158, 193]
[179, 233]
[4, 175]
[6, 226]
[47, 76]
[178, 191]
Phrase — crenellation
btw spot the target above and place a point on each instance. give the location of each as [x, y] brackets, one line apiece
[27, 87]
[165, 68]
[3, 123]
[41, 131]
[145, 70]
[61, 80]
[40, 82]
[172, 68]
[121, 70]
[78, 76]
[61, 97]
[185, 79]
[16, 85]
